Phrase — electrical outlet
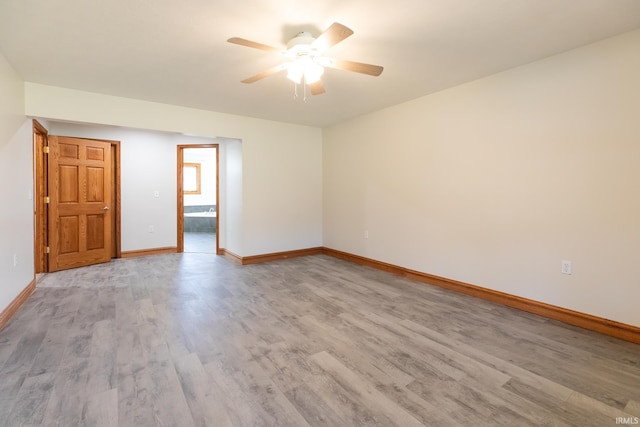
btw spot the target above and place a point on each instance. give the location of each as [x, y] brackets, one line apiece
[15, 260]
[366, 234]
[156, 194]
[566, 267]
[151, 229]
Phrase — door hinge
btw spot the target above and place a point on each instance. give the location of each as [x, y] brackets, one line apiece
[45, 149]
[47, 199]
[47, 250]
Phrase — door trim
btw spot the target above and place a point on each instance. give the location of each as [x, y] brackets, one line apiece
[40, 190]
[116, 200]
[180, 194]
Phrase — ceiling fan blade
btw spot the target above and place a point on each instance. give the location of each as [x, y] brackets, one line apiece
[265, 73]
[358, 67]
[317, 88]
[331, 36]
[255, 45]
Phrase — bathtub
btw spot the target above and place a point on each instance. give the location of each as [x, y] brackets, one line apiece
[200, 214]
[200, 222]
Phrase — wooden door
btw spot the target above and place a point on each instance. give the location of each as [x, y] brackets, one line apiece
[79, 205]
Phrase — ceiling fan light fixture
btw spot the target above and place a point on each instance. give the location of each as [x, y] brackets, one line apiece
[312, 72]
[295, 72]
[304, 67]
[306, 62]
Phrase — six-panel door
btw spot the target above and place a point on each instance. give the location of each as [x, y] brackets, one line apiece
[79, 211]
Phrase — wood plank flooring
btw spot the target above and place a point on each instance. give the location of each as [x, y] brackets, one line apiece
[196, 340]
[200, 242]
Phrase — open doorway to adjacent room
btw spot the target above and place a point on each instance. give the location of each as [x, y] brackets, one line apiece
[198, 198]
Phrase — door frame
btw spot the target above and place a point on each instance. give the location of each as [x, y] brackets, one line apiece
[116, 201]
[40, 191]
[180, 193]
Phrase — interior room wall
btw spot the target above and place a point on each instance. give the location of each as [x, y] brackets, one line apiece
[16, 188]
[231, 211]
[148, 167]
[281, 164]
[497, 181]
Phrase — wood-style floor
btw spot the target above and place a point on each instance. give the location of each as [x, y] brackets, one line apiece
[196, 340]
[204, 243]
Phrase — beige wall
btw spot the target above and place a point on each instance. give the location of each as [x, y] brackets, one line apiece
[491, 183]
[496, 181]
[16, 188]
[280, 206]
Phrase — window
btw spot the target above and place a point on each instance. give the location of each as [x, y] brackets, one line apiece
[191, 178]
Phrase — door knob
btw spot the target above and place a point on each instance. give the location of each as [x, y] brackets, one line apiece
[106, 208]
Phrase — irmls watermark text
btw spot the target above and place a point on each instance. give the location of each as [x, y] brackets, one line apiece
[630, 421]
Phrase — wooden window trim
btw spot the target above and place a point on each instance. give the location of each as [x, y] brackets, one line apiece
[198, 189]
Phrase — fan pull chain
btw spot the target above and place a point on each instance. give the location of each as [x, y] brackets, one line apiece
[304, 91]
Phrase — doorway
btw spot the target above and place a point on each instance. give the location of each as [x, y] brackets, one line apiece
[198, 201]
[77, 203]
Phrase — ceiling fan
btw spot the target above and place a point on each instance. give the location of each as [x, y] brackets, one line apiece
[306, 61]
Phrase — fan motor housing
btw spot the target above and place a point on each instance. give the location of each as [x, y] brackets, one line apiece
[300, 45]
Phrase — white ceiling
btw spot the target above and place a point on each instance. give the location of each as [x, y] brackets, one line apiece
[175, 51]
